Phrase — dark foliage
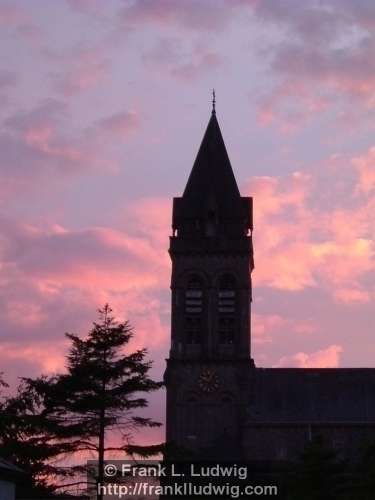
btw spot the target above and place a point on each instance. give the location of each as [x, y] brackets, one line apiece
[101, 392]
[320, 474]
[27, 441]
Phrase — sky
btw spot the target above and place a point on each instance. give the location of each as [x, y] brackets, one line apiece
[103, 107]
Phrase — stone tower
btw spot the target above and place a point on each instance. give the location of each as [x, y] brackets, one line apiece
[208, 376]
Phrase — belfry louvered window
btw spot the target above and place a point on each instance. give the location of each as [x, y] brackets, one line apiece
[227, 309]
[194, 310]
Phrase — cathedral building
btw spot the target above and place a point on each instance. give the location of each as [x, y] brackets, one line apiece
[219, 403]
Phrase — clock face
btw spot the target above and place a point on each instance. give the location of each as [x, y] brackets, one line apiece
[208, 380]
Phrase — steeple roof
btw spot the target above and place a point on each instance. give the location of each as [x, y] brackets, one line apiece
[211, 206]
[212, 175]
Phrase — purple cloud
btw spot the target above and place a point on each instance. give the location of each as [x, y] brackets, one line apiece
[180, 62]
[122, 123]
[36, 143]
[323, 56]
[210, 15]
[81, 68]
[7, 78]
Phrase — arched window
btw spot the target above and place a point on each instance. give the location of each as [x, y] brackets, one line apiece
[227, 309]
[193, 309]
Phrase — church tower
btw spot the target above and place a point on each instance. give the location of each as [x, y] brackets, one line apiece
[209, 367]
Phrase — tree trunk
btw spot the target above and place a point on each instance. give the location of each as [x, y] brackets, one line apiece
[102, 419]
[101, 452]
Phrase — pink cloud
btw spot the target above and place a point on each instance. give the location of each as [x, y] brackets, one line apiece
[276, 194]
[98, 256]
[11, 14]
[151, 332]
[43, 138]
[266, 327]
[290, 105]
[43, 142]
[121, 124]
[54, 279]
[149, 218]
[48, 355]
[365, 164]
[310, 244]
[81, 70]
[279, 208]
[352, 295]
[325, 358]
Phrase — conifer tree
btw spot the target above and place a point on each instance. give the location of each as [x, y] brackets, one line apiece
[102, 391]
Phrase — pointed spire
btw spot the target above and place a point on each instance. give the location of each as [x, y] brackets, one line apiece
[213, 102]
[212, 175]
[211, 205]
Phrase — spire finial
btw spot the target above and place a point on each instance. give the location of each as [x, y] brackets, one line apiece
[213, 102]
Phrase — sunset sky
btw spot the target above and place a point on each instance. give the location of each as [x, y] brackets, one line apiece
[103, 107]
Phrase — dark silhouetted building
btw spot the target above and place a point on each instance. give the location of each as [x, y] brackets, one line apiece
[219, 404]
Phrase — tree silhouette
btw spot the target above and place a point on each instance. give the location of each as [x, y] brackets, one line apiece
[365, 489]
[27, 441]
[319, 475]
[101, 391]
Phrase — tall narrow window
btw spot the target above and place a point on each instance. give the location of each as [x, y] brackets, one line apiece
[227, 309]
[193, 310]
[211, 223]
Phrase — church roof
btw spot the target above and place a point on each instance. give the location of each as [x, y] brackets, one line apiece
[212, 175]
[314, 395]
